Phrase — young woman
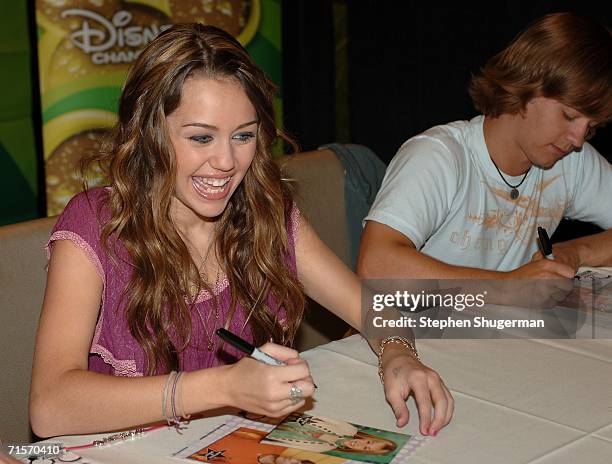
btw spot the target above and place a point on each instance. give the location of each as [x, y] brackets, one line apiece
[195, 231]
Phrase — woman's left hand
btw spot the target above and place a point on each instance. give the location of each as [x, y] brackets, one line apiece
[404, 375]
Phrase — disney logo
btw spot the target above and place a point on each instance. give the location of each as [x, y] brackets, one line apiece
[103, 34]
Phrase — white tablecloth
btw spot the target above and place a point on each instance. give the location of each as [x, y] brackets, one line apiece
[517, 401]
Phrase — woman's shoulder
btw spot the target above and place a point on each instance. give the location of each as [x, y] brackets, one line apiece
[88, 203]
[81, 223]
[86, 209]
[92, 197]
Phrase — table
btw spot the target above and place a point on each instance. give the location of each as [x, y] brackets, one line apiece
[517, 401]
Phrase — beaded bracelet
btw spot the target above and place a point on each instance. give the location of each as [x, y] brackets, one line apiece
[116, 437]
[394, 339]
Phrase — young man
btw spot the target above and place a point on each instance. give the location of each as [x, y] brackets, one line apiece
[464, 200]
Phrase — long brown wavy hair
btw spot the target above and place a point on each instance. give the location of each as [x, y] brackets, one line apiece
[562, 56]
[251, 240]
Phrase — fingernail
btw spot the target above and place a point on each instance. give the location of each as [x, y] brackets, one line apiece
[433, 433]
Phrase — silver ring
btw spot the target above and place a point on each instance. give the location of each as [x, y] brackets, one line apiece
[295, 394]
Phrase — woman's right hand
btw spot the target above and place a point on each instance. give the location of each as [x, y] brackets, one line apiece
[263, 389]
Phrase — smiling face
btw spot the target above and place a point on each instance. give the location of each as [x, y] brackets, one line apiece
[366, 444]
[548, 130]
[278, 459]
[214, 135]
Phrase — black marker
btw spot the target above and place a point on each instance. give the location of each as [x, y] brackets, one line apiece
[545, 243]
[247, 348]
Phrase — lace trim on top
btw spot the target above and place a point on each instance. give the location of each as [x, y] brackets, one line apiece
[81, 244]
[123, 368]
[216, 290]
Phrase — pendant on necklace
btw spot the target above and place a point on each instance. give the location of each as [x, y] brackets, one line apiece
[514, 194]
[210, 345]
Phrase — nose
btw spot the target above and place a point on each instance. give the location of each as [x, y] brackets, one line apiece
[577, 133]
[223, 157]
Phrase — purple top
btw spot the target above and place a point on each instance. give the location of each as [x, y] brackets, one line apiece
[113, 349]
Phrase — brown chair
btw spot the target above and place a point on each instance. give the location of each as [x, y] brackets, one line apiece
[22, 284]
[319, 194]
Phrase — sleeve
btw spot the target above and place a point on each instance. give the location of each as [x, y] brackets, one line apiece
[80, 223]
[591, 189]
[418, 189]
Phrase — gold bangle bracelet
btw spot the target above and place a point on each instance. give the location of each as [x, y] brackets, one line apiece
[394, 339]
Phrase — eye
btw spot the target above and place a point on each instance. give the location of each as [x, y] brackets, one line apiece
[568, 117]
[244, 137]
[201, 139]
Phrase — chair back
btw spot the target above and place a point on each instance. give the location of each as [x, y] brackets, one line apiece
[22, 284]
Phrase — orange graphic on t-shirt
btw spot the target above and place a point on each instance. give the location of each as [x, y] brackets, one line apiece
[513, 221]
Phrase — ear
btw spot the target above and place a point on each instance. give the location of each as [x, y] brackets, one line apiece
[532, 102]
[522, 113]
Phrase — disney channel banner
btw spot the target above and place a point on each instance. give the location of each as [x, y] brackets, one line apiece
[85, 48]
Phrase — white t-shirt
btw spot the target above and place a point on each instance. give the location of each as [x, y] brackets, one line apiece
[442, 191]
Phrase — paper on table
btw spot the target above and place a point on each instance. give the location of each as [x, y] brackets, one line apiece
[265, 425]
[596, 288]
[337, 438]
[244, 446]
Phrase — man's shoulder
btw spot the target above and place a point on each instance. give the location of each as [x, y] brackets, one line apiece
[452, 131]
[447, 144]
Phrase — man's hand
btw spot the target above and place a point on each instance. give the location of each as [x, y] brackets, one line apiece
[543, 268]
[543, 283]
[565, 253]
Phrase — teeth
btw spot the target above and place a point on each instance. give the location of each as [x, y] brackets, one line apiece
[211, 181]
[209, 184]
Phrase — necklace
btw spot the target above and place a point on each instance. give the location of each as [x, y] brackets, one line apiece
[210, 344]
[514, 193]
[216, 310]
